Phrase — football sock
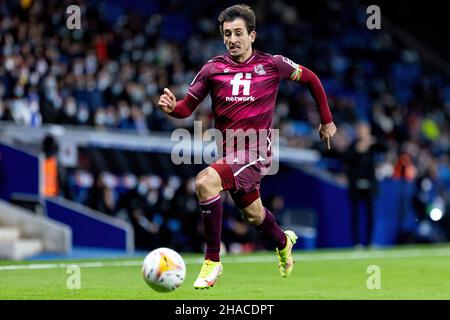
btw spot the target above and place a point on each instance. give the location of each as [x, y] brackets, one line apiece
[270, 228]
[212, 222]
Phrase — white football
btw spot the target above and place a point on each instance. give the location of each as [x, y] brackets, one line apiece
[164, 269]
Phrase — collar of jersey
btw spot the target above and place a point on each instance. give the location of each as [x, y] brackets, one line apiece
[244, 62]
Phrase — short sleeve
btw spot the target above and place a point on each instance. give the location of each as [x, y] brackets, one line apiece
[199, 87]
[288, 69]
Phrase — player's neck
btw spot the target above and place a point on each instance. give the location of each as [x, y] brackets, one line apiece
[244, 57]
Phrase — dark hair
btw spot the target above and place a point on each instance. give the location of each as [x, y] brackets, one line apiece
[242, 11]
[49, 146]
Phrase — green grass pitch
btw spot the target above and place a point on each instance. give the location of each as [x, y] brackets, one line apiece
[412, 272]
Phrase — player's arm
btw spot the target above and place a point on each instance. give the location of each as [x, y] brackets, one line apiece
[327, 128]
[294, 72]
[178, 109]
[198, 90]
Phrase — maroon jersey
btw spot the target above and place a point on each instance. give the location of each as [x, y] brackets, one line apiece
[243, 94]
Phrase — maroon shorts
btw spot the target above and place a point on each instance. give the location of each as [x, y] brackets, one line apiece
[241, 175]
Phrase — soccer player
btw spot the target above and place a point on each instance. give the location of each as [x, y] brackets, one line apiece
[243, 84]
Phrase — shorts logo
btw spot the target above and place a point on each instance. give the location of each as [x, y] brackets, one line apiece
[259, 69]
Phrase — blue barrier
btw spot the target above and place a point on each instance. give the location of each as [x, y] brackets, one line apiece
[91, 228]
[393, 210]
[19, 173]
[302, 190]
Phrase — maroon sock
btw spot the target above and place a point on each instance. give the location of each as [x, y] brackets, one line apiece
[270, 228]
[212, 222]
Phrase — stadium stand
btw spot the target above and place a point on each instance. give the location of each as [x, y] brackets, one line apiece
[106, 79]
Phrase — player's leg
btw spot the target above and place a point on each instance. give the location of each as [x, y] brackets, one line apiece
[208, 186]
[260, 217]
[264, 222]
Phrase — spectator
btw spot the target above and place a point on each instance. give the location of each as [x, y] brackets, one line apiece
[51, 180]
[362, 184]
[104, 197]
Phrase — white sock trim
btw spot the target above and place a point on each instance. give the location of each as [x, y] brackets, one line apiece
[209, 201]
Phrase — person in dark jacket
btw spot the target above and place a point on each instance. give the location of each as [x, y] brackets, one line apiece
[362, 183]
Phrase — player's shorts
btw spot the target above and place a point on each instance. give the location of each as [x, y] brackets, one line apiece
[241, 175]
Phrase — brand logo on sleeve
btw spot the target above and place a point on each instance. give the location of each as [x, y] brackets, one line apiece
[290, 62]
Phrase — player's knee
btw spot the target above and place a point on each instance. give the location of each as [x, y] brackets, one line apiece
[206, 181]
[200, 184]
[253, 220]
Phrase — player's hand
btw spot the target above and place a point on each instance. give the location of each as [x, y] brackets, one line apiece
[326, 132]
[167, 101]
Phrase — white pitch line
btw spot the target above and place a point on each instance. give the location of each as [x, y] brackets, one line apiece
[302, 257]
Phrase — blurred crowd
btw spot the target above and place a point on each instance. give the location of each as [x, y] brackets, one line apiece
[110, 73]
[163, 210]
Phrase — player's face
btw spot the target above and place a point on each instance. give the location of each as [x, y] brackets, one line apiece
[237, 39]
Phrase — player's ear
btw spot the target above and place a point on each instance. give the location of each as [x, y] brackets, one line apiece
[253, 36]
